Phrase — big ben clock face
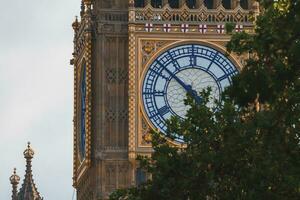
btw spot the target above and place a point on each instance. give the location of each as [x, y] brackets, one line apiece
[178, 71]
[82, 112]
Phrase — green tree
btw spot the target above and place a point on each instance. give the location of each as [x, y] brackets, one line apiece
[249, 146]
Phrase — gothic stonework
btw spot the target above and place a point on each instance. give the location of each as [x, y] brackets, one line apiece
[145, 134]
[148, 48]
[28, 190]
[117, 40]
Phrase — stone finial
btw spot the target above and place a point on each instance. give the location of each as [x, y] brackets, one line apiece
[14, 180]
[87, 2]
[75, 24]
[28, 190]
[28, 153]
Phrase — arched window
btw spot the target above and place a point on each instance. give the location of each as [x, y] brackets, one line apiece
[226, 4]
[156, 3]
[209, 4]
[191, 3]
[244, 4]
[139, 3]
[174, 3]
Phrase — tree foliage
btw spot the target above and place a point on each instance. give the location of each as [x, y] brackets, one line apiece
[248, 147]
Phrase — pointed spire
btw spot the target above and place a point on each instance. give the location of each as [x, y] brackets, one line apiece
[28, 190]
[14, 180]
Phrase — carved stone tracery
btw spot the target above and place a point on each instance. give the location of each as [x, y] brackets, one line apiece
[145, 133]
[186, 14]
[150, 47]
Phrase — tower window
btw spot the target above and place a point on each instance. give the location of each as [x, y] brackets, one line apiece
[139, 3]
[244, 4]
[156, 3]
[140, 176]
[226, 4]
[191, 3]
[174, 3]
[209, 4]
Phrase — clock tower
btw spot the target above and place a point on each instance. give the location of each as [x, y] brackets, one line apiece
[134, 61]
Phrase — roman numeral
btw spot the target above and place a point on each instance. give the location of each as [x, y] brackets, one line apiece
[212, 61]
[192, 61]
[226, 76]
[163, 110]
[155, 93]
[175, 63]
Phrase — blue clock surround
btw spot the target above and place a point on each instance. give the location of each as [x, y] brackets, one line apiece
[169, 65]
[82, 138]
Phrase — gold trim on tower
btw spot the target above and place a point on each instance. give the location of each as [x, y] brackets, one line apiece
[82, 53]
[132, 94]
[151, 30]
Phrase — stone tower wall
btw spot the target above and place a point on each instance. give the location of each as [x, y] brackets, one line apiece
[117, 43]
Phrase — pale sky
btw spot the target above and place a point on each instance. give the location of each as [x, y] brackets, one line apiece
[36, 85]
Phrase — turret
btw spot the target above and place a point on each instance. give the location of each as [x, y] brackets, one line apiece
[29, 190]
[14, 180]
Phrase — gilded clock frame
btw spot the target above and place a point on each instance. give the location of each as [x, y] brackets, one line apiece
[141, 38]
[171, 44]
[138, 67]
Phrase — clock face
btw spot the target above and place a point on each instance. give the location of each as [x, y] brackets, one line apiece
[82, 112]
[181, 70]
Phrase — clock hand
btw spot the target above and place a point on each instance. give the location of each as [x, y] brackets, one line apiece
[188, 88]
[195, 95]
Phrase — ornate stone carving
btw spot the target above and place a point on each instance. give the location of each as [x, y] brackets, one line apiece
[149, 47]
[110, 177]
[28, 190]
[186, 14]
[145, 133]
[116, 75]
[111, 75]
[123, 175]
